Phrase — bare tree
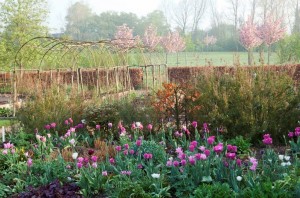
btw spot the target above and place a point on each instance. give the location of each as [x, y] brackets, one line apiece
[182, 14]
[199, 7]
[215, 15]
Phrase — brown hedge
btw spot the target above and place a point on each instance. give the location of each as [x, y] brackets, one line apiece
[106, 77]
[185, 74]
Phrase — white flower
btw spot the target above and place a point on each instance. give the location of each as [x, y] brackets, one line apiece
[155, 175]
[74, 156]
[138, 124]
[26, 154]
[287, 158]
[72, 141]
[283, 164]
[239, 178]
[69, 178]
[288, 163]
[280, 157]
[171, 158]
[83, 121]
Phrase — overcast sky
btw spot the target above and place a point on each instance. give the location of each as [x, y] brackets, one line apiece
[58, 8]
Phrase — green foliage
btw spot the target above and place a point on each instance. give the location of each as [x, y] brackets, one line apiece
[158, 151]
[21, 20]
[249, 103]
[130, 189]
[43, 173]
[54, 105]
[5, 112]
[91, 182]
[5, 191]
[288, 49]
[214, 190]
[130, 109]
[21, 139]
[242, 144]
[267, 190]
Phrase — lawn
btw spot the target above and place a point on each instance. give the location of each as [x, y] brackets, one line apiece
[207, 58]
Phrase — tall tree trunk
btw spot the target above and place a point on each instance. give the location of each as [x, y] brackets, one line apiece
[269, 54]
[261, 54]
[250, 57]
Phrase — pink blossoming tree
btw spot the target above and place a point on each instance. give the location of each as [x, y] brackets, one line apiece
[150, 39]
[270, 32]
[124, 39]
[249, 39]
[173, 43]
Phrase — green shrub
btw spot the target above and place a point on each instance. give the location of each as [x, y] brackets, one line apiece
[128, 110]
[54, 105]
[249, 102]
[214, 190]
[243, 145]
[288, 49]
[5, 112]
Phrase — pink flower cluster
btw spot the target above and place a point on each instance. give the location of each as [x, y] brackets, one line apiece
[218, 148]
[126, 172]
[86, 161]
[294, 134]
[68, 121]
[8, 146]
[231, 152]
[147, 156]
[267, 139]
[254, 163]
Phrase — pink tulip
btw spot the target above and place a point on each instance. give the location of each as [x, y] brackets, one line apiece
[126, 146]
[104, 173]
[118, 148]
[211, 140]
[29, 162]
[80, 159]
[176, 163]
[131, 152]
[194, 124]
[79, 165]
[94, 165]
[94, 158]
[139, 142]
[98, 126]
[219, 148]
[230, 155]
[291, 134]
[183, 162]
[149, 127]
[112, 161]
[53, 125]
[192, 160]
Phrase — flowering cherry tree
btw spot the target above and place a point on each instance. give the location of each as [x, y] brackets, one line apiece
[249, 38]
[124, 39]
[173, 43]
[209, 40]
[150, 39]
[270, 32]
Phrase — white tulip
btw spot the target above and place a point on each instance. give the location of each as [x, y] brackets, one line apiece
[155, 175]
[239, 178]
[287, 158]
[74, 156]
[288, 163]
[283, 164]
[281, 157]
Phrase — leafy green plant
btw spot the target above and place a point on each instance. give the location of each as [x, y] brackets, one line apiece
[54, 105]
[243, 145]
[5, 112]
[247, 102]
[214, 190]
